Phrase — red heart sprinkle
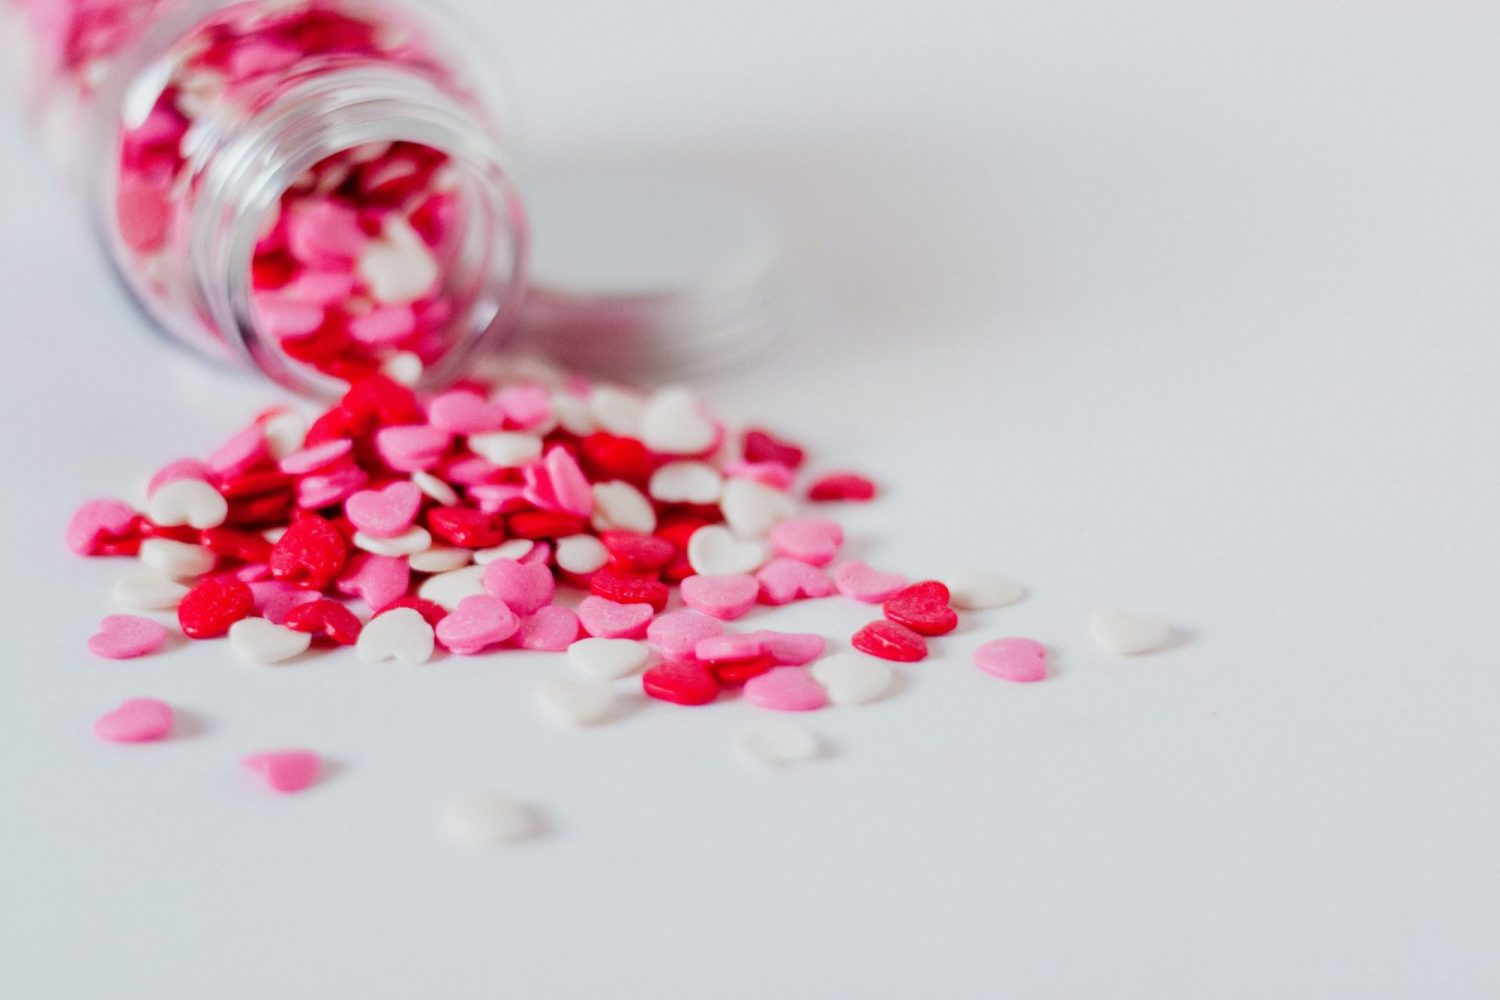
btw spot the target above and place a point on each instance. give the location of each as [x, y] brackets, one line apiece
[630, 588]
[890, 641]
[638, 553]
[841, 486]
[544, 524]
[465, 527]
[311, 552]
[923, 608]
[762, 447]
[680, 683]
[326, 618]
[213, 605]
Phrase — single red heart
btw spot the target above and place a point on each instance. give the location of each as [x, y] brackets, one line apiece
[680, 683]
[326, 618]
[762, 447]
[890, 641]
[923, 608]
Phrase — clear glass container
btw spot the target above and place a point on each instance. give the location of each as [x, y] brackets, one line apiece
[315, 188]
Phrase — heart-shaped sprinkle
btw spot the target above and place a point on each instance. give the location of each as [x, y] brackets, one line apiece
[526, 588]
[122, 637]
[434, 488]
[1013, 659]
[786, 689]
[376, 580]
[975, 589]
[386, 512]
[760, 446]
[714, 551]
[790, 648]
[241, 453]
[581, 554]
[214, 604]
[923, 608]
[729, 648]
[98, 522]
[188, 501]
[527, 406]
[677, 632]
[413, 539]
[414, 447]
[752, 509]
[285, 431]
[841, 486]
[673, 423]
[723, 597]
[551, 629]
[890, 641]
[574, 701]
[148, 590]
[618, 506]
[447, 589]
[278, 605]
[326, 618]
[557, 483]
[813, 540]
[485, 819]
[317, 458]
[616, 410]
[462, 412]
[609, 658]
[686, 482]
[507, 449]
[783, 580]
[328, 488]
[778, 744]
[439, 559]
[516, 548]
[137, 720]
[178, 559]
[858, 581]
[1127, 634]
[286, 771]
[401, 634]
[611, 620]
[476, 623]
[183, 468]
[260, 641]
[851, 679]
[680, 683]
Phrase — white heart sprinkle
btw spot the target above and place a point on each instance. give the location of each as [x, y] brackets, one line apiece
[850, 679]
[148, 590]
[1126, 634]
[714, 551]
[674, 424]
[576, 702]
[260, 641]
[609, 658]
[516, 548]
[573, 414]
[412, 540]
[752, 508]
[618, 506]
[187, 501]
[285, 432]
[435, 488]
[777, 743]
[506, 449]
[174, 558]
[401, 634]
[686, 482]
[481, 819]
[398, 267]
[448, 589]
[403, 367]
[972, 590]
[440, 559]
[617, 411]
[581, 554]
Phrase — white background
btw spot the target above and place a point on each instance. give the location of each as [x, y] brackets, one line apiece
[1186, 306]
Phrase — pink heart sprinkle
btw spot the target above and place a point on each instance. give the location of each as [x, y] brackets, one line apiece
[286, 771]
[412, 448]
[729, 648]
[172, 472]
[527, 406]
[552, 629]
[609, 620]
[121, 637]
[726, 597]
[786, 689]
[96, 521]
[317, 458]
[276, 607]
[240, 453]
[376, 580]
[497, 498]
[557, 483]
[137, 720]
[856, 580]
[461, 411]
[783, 580]
[677, 632]
[526, 587]
[772, 474]
[1013, 659]
[479, 621]
[813, 540]
[790, 648]
[331, 486]
[472, 470]
[387, 512]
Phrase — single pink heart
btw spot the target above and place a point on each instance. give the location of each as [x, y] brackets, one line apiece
[726, 597]
[553, 628]
[461, 411]
[121, 637]
[609, 620]
[813, 540]
[241, 453]
[473, 470]
[856, 580]
[317, 458]
[786, 689]
[1013, 659]
[790, 648]
[173, 472]
[377, 580]
[479, 621]
[557, 483]
[783, 580]
[98, 521]
[677, 632]
[412, 448]
[386, 512]
[540, 554]
[286, 771]
[137, 720]
[527, 406]
[276, 607]
[729, 648]
[526, 587]
[330, 486]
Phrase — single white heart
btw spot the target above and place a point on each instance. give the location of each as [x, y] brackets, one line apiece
[435, 488]
[148, 590]
[581, 554]
[674, 424]
[401, 634]
[448, 589]
[609, 658]
[778, 744]
[403, 367]
[412, 540]
[851, 679]
[484, 818]
[753, 509]
[973, 589]
[398, 267]
[713, 550]
[573, 414]
[1128, 634]
[285, 433]
[686, 482]
[617, 410]
[516, 548]
[187, 501]
[574, 701]
[506, 449]
[440, 559]
[174, 558]
[260, 641]
[618, 506]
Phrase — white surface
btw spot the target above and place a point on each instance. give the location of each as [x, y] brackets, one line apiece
[1189, 307]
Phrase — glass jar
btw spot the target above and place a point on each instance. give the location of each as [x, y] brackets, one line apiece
[316, 188]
